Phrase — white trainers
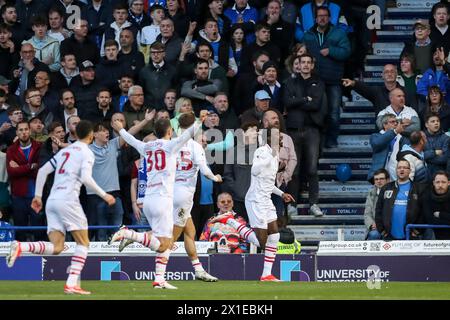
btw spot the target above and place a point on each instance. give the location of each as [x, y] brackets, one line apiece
[205, 276]
[315, 210]
[118, 235]
[163, 285]
[13, 254]
[291, 210]
[124, 243]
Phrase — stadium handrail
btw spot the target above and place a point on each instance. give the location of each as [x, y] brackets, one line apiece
[424, 226]
[90, 227]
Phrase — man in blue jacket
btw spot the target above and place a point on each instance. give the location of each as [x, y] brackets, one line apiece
[435, 76]
[331, 48]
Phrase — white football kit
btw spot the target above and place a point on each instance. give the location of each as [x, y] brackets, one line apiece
[191, 158]
[161, 158]
[258, 202]
[73, 167]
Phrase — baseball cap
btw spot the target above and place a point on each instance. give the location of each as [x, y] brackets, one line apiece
[211, 110]
[423, 23]
[267, 65]
[35, 118]
[262, 95]
[3, 80]
[86, 64]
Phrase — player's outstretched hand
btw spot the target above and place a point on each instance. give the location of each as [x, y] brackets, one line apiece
[219, 178]
[36, 204]
[117, 125]
[109, 199]
[288, 198]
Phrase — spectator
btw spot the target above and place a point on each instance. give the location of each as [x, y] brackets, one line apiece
[436, 104]
[436, 148]
[134, 110]
[136, 15]
[398, 205]
[150, 32]
[305, 101]
[262, 43]
[281, 32]
[385, 146]
[228, 119]
[104, 110]
[105, 173]
[182, 105]
[170, 97]
[37, 130]
[5, 235]
[170, 40]
[72, 123]
[9, 128]
[64, 6]
[4, 106]
[271, 85]
[22, 166]
[440, 33]
[46, 48]
[49, 96]
[26, 70]
[80, 45]
[112, 31]
[34, 107]
[407, 77]
[435, 76]
[380, 178]
[287, 160]
[9, 17]
[179, 18]
[125, 83]
[221, 49]
[9, 99]
[247, 82]
[435, 205]
[297, 50]
[98, 16]
[56, 22]
[69, 74]
[262, 104]
[9, 54]
[224, 234]
[407, 115]
[27, 10]
[420, 47]
[201, 90]
[242, 13]
[414, 154]
[66, 108]
[110, 69]
[129, 55]
[86, 91]
[330, 47]
[237, 175]
[215, 11]
[379, 94]
[238, 44]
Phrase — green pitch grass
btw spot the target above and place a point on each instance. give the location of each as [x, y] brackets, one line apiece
[224, 290]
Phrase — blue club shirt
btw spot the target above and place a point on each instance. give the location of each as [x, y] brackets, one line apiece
[398, 219]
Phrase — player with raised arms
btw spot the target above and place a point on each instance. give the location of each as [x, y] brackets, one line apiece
[161, 158]
[73, 167]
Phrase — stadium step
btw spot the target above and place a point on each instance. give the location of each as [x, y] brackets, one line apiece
[336, 209]
[388, 48]
[398, 25]
[394, 36]
[312, 234]
[375, 60]
[409, 13]
[373, 81]
[360, 168]
[373, 71]
[351, 145]
[357, 123]
[358, 106]
[338, 192]
[304, 220]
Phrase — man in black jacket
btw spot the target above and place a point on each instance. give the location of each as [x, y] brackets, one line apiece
[305, 101]
[80, 45]
[435, 205]
[398, 205]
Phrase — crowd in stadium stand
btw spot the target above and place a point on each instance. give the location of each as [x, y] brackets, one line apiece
[243, 64]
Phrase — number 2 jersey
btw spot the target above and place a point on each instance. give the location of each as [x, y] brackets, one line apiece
[73, 167]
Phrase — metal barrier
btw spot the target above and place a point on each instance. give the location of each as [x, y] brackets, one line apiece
[424, 226]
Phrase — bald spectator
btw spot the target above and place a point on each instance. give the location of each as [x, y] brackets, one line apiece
[414, 154]
[170, 39]
[379, 94]
[49, 96]
[134, 110]
[406, 115]
[80, 45]
[228, 119]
